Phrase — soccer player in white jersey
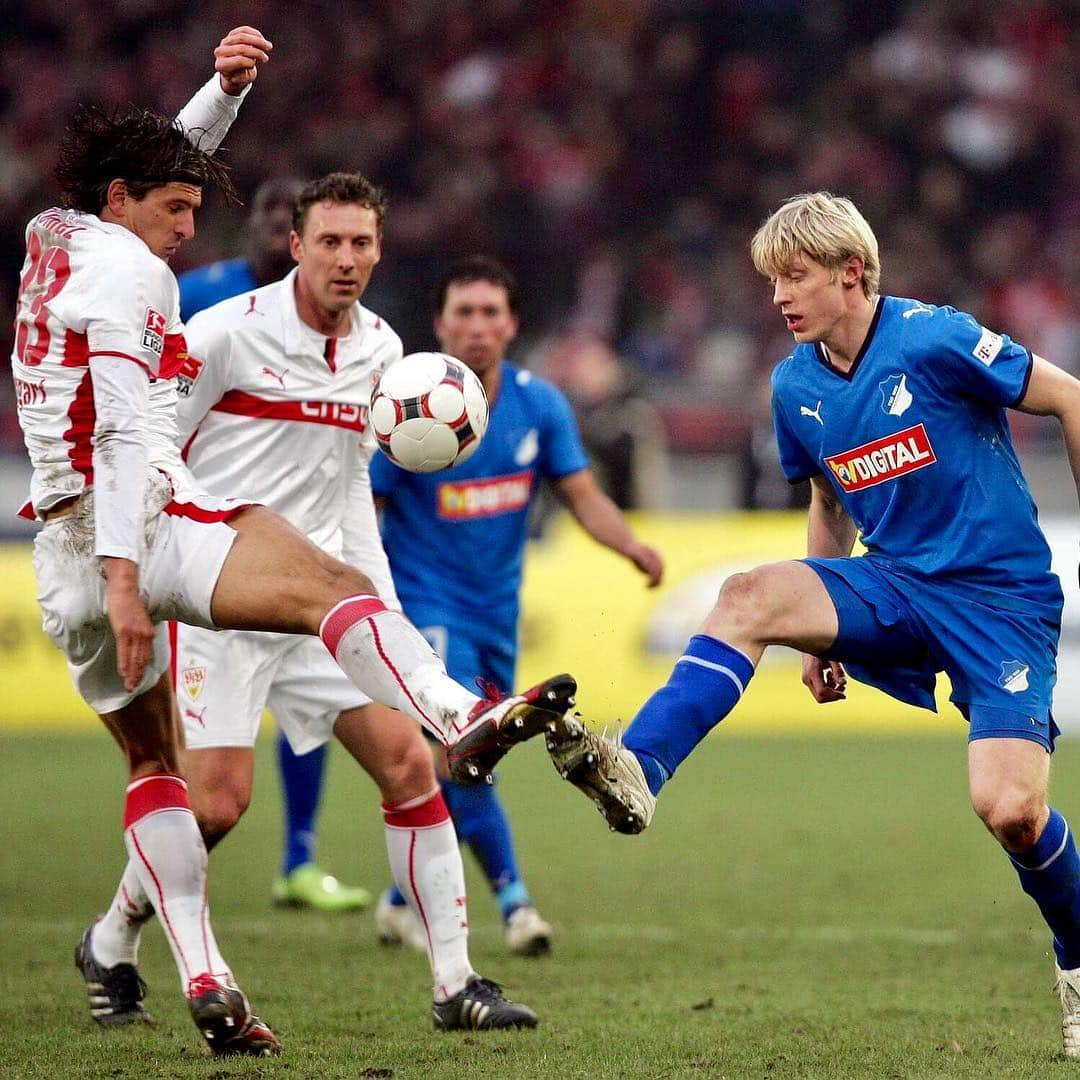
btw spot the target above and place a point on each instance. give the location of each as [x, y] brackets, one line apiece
[130, 542]
[273, 405]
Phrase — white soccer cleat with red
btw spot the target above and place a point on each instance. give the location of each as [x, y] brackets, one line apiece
[224, 1018]
[494, 726]
[1068, 990]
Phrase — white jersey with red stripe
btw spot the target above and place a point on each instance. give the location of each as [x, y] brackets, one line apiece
[271, 411]
[88, 288]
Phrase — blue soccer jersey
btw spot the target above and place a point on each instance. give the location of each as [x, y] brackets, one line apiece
[915, 441]
[456, 538]
[209, 285]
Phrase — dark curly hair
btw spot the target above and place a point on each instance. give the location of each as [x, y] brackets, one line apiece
[140, 147]
[475, 268]
[340, 187]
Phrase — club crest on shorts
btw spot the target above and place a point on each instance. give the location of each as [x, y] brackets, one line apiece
[896, 398]
[192, 679]
[153, 335]
[1014, 676]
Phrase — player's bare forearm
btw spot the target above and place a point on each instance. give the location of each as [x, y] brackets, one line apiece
[604, 522]
[131, 625]
[830, 531]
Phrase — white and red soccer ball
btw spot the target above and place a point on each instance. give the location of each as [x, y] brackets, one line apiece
[429, 411]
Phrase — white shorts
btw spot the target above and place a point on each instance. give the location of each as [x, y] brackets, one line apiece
[186, 546]
[225, 678]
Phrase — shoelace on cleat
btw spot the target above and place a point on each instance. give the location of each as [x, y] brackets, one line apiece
[490, 691]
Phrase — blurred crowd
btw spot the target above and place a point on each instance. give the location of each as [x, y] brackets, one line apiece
[618, 154]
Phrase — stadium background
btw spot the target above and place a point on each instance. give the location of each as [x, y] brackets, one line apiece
[618, 155]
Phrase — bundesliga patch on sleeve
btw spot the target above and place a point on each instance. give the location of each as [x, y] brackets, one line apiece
[153, 335]
[988, 347]
[190, 368]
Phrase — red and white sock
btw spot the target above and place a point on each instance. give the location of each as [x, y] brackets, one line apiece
[387, 658]
[115, 937]
[425, 860]
[169, 856]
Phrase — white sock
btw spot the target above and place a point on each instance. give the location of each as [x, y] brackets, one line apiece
[387, 658]
[115, 937]
[170, 860]
[426, 863]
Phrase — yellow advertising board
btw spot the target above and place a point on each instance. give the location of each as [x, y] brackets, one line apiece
[585, 610]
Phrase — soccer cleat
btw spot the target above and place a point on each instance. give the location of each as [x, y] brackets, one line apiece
[398, 925]
[308, 886]
[224, 1017]
[497, 725]
[527, 934]
[606, 772]
[116, 993]
[480, 1006]
[1068, 989]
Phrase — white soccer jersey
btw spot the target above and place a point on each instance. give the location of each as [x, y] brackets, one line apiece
[273, 412]
[88, 288]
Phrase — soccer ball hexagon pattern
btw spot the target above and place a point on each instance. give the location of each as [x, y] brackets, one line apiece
[429, 411]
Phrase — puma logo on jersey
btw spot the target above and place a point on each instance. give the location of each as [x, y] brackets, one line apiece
[527, 449]
[1014, 676]
[197, 716]
[252, 309]
[896, 398]
[272, 374]
[815, 413]
[918, 309]
[883, 459]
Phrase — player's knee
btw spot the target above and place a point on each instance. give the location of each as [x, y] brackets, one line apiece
[742, 599]
[407, 772]
[342, 580]
[218, 811]
[1014, 817]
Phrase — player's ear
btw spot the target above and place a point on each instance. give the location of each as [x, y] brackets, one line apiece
[295, 246]
[116, 196]
[851, 273]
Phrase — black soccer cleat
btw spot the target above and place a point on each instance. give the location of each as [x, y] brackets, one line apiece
[480, 1006]
[497, 725]
[225, 1020]
[116, 994]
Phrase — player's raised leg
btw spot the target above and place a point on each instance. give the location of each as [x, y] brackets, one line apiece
[426, 863]
[274, 578]
[1008, 779]
[782, 603]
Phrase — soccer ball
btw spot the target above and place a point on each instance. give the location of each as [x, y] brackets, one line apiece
[429, 412]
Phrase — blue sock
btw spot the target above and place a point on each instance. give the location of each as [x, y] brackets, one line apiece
[481, 823]
[301, 783]
[1050, 874]
[707, 681]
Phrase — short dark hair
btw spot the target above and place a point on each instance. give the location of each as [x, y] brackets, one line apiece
[475, 268]
[340, 187]
[143, 148]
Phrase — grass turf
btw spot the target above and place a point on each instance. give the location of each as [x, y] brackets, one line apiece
[818, 907]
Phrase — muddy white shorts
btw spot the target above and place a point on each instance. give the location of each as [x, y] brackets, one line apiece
[186, 544]
[224, 680]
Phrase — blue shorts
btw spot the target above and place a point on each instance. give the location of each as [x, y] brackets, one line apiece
[470, 645]
[897, 631]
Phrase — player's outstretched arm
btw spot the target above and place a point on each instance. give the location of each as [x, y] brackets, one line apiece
[830, 534]
[1054, 392]
[208, 116]
[603, 521]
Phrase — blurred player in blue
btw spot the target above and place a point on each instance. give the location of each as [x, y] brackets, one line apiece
[302, 883]
[895, 412]
[460, 588]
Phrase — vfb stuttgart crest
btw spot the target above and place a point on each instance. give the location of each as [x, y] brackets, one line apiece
[192, 678]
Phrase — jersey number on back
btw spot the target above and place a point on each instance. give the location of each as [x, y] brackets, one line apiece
[44, 278]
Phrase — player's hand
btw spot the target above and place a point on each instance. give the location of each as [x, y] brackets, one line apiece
[825, 679]
[131, 625]
[238, 57]
[649, 561]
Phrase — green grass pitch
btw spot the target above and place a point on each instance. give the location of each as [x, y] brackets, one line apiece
[803, 907]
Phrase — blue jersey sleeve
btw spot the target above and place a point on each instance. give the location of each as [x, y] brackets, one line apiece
[965, 357]
[384, 475]
[794, 458]
[561, 452]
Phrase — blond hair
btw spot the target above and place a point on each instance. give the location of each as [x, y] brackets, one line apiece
[825, 228]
